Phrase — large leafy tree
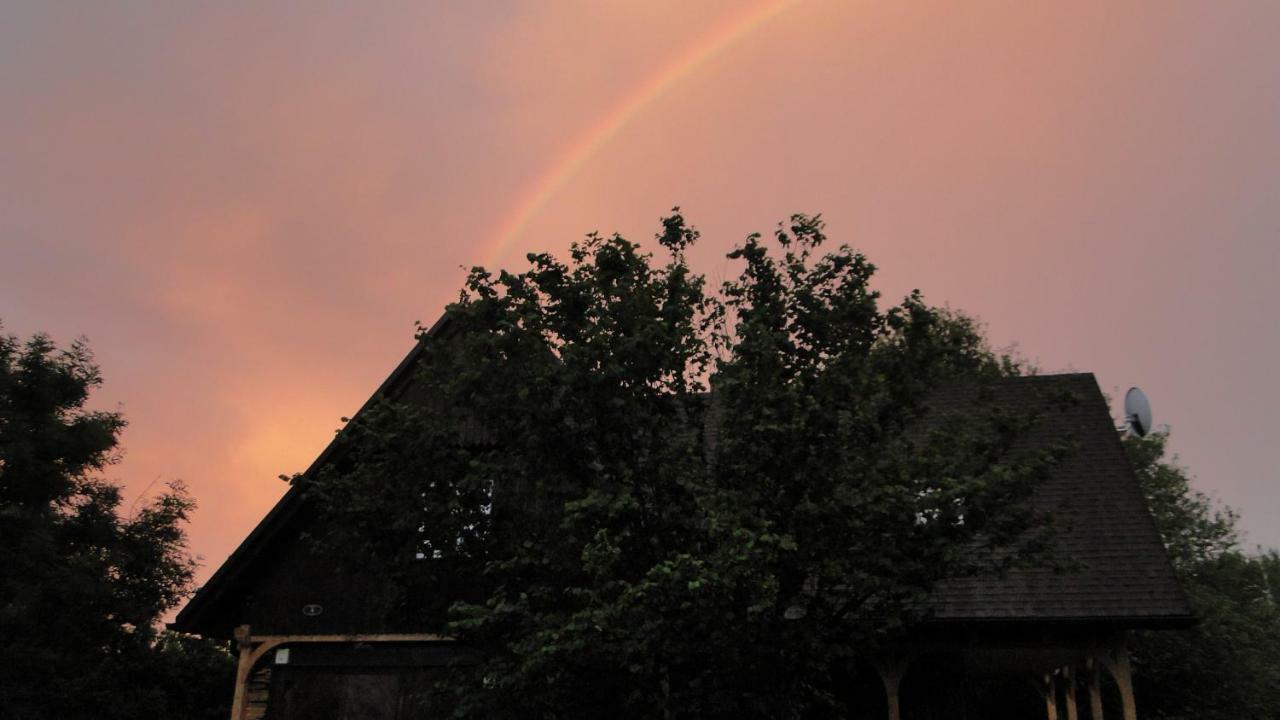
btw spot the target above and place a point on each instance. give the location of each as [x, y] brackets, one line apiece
[82, 587]
[640, 498]
[1228, 665]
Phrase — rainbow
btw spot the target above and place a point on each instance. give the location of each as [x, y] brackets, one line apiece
[667, 77]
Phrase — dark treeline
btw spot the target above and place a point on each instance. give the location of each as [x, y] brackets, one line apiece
[82, 585]
[1228, 665]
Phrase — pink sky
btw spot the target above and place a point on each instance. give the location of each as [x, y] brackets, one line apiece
[245, 209]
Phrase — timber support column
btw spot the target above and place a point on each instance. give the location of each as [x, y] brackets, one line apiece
[1124, 678]
[1069, 692]
[1095, 689]
[244, 642]
[1049, 689]
[891, 672]
[1116, 661]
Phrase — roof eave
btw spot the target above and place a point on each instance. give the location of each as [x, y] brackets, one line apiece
[1117, 622]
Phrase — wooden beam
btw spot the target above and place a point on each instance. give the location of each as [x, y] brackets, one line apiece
[356, 638]
[254, 648]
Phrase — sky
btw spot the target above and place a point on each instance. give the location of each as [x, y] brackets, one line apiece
[246, 206]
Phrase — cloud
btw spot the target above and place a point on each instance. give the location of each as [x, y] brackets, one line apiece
[246, 207]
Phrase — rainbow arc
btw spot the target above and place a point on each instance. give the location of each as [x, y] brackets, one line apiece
[600, 134]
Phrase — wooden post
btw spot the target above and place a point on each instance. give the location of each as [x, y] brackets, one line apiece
[244, 641]
[1048, 688]
[1095, 690]
[891, 675]
[1116, 661]
[1069, 692]
[1124, 678]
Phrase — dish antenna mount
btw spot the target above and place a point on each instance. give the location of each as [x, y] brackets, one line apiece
[1137, 412]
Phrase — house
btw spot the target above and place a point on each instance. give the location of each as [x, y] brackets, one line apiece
[1032, 643]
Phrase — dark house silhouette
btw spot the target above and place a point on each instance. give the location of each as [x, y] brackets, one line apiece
[1033, 643]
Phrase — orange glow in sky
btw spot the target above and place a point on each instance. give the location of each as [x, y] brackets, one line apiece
[245, 207]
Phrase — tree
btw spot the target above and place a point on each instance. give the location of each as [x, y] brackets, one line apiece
[1227, 666]
[640, 499]
[82, 588]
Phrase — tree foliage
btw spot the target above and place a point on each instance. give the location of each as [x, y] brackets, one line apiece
[640, 498]
[1228, 665]
[81, 586]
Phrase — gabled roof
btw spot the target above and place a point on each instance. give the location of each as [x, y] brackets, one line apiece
[202, 615]
[1120, 573]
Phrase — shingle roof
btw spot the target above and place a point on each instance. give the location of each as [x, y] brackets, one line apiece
[1118, 571]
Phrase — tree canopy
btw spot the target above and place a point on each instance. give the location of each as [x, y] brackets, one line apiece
[643, 498]
[1228, 665]
[82, 587]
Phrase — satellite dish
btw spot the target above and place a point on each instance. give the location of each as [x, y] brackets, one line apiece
[1137, 412]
